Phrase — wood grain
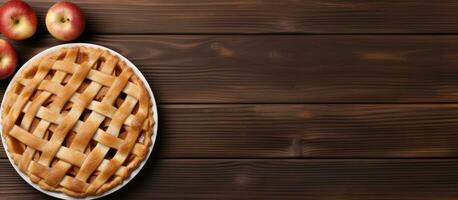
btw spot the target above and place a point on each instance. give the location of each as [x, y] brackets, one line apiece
[266, 16]
[273, 179]
[287, 69]
[312, 131]
[296, 99]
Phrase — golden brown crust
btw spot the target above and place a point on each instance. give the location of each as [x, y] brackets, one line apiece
[77, 121]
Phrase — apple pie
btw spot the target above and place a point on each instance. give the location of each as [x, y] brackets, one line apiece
[77, 121]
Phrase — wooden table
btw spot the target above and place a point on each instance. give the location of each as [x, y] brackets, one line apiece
[300, 99]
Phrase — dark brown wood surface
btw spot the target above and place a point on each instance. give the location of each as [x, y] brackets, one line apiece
[269, 99]
[312, 179]
[287, 68]
[266, 16]
[307, 131]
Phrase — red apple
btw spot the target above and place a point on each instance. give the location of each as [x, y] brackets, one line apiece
[18, 20]
[8, 59]
[65, 21]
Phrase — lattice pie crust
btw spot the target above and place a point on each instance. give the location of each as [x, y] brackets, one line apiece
[77, 121]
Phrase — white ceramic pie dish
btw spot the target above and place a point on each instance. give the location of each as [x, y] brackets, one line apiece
[155, 117]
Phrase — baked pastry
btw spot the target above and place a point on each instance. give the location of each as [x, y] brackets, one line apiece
[77, 121]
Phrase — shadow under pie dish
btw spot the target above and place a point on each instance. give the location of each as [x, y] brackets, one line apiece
[78, 120]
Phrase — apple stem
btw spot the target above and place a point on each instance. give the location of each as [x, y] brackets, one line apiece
[63, 20]
[15, 20]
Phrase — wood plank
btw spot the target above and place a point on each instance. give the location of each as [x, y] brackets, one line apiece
[267, 16]
[287, 69]
[312, 131]
[273, 179]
